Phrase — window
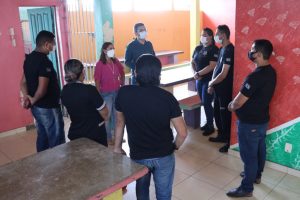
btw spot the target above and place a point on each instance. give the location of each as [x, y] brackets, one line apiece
[152, 5]
[182, 4]
[121, 5]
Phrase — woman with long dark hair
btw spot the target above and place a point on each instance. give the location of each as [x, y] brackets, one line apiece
[109, 77]
[84, 104]
[204, 60]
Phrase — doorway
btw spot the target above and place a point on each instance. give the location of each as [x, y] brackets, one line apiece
[33, 20]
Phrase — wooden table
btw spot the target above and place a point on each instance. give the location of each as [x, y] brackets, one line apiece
[174, 76]
[81, 169]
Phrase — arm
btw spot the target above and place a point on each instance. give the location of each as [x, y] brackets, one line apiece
[25, 102]
[104, 113]
[208, 68]
[119, 132]
[221, 76]
[181, 130]
[237, 102]
[41, 90]
[97, 85]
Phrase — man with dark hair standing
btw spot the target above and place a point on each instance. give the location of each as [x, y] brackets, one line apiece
[148, 111]
[221, 84]
[41, 92]
[252, 109]
[137, 47]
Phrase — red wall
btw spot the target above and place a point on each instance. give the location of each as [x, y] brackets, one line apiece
[217, 12]
[279, 22]
[12, 116]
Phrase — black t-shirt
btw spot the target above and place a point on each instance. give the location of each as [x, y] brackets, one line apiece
[148, 111]
[37, 65]
[259, 87]
[226, 56]
[83, 103]
[202, 56]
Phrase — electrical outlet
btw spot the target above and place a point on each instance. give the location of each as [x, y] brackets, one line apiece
[288, 147]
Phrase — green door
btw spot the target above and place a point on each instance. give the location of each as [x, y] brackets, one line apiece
[42, 19]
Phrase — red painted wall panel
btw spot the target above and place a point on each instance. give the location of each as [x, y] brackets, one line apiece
[12, 116]
[278, 21]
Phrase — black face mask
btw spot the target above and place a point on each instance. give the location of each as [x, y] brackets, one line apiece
[250, 55]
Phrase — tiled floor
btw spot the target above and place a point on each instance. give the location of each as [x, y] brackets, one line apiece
[202, 173]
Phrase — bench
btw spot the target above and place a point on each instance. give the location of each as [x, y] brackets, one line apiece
[191, 110]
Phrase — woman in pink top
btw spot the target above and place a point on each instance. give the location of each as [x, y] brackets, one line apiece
[109, 77]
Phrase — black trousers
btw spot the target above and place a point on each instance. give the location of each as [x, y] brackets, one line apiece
[222, 115]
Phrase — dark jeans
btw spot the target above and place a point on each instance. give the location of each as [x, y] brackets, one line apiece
[206, 100]
[163, 175]
[50, 127]
[222, 115]
[253, 151]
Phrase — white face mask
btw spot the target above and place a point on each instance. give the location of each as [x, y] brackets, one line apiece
[110, 53]
[217, 39]
[203, 40]
[142, 35]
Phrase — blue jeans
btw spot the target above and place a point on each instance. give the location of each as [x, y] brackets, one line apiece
[206, 101]
[253, 151]
[163, 175]
[109, 98]
[50, 127]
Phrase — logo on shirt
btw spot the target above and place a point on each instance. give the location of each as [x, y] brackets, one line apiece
[228, 59]
[248, 86]
[48, 69]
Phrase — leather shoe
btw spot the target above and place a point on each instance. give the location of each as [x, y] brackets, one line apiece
[202, 128]
[238, 192]
[257, 180]
[224, 149]
[208, 131]
[217, 139]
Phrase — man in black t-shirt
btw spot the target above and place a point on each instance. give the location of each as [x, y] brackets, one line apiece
[147, 111]
[252, 108]
[41, 92]
[221, 84]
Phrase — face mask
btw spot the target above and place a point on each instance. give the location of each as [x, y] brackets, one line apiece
[250, 55]
[217, 39]
[203, 40]
[110, 53]
[142, 35]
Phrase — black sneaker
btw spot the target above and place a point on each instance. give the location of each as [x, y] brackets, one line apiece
[208, 131]
[224, 149]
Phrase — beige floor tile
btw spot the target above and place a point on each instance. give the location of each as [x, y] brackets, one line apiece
[291, 183]
[189, 164]
[216, 175]
[230, 162]
[4, 159]
[179, 177]
[194, 189]
[272, 176]
[15, 147]
[280, 193]
[221, 195]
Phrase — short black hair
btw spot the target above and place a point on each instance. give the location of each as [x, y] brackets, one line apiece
[263, 46]
[137, 25]
[43, 37]
[148, 69]
[224, 29]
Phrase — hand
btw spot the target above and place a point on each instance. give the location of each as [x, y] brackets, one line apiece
[210, 84]
[210, 90]
[25, 102]
[230, 107]
[196, 76]
[31, 99]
